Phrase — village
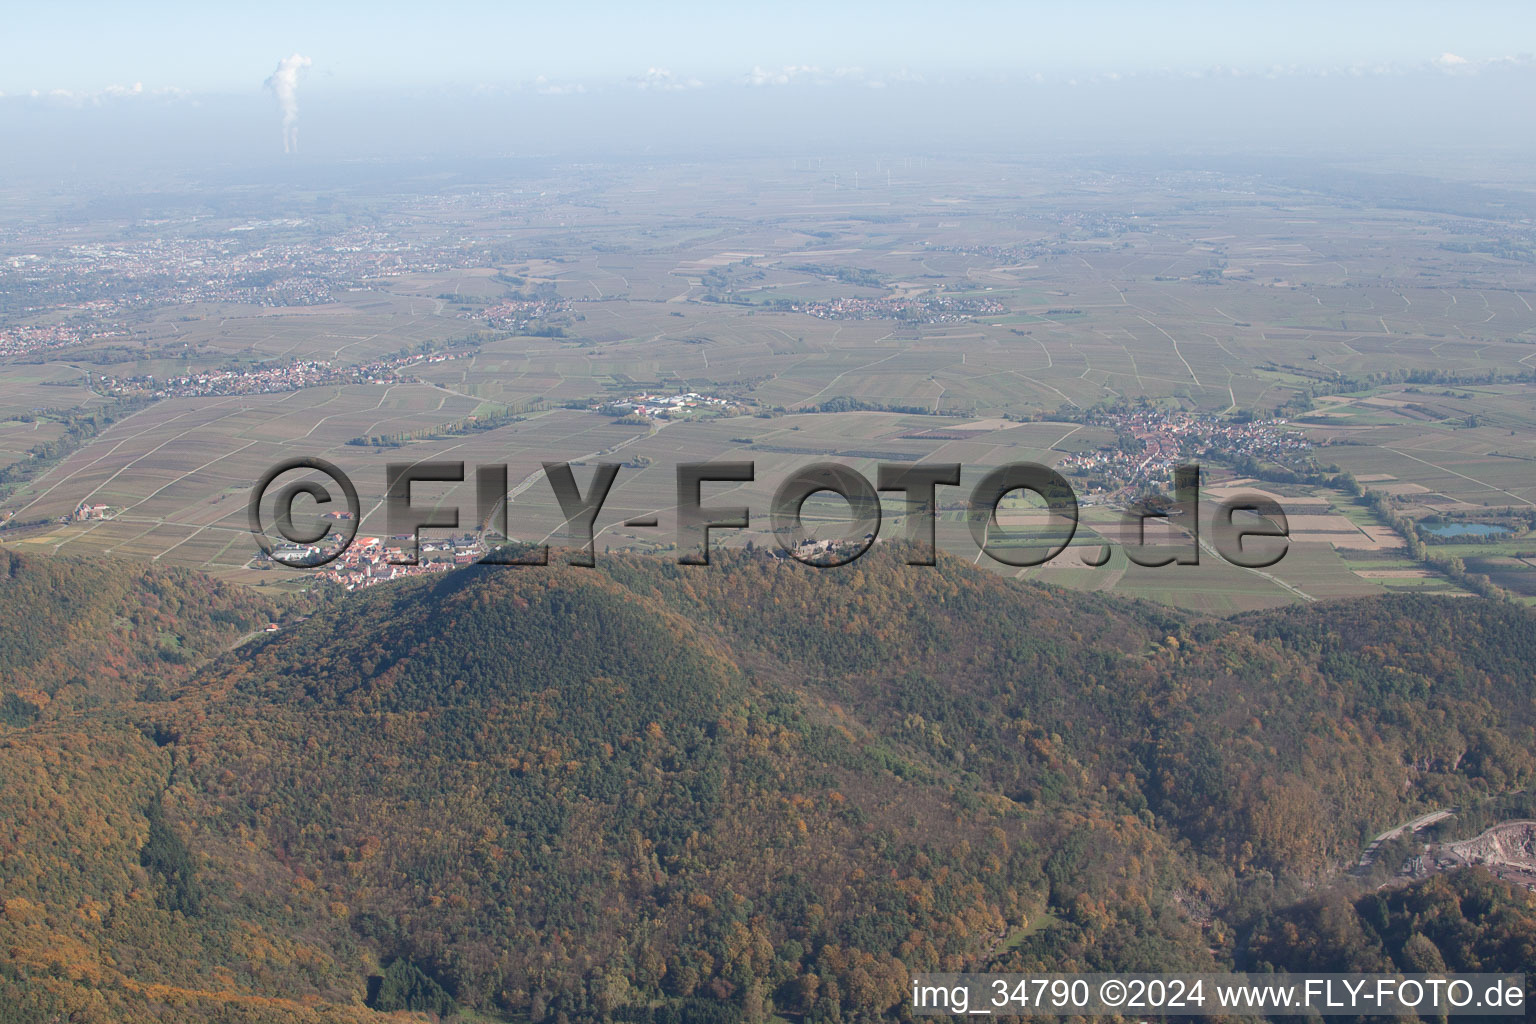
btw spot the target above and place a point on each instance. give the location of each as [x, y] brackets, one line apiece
[517, 313]
[1152, 442]
[259, 380]
[71, 295]
[932, 310]
[22, 340]
[369, 561]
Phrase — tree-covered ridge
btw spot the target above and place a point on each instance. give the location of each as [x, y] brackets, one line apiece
[1461, 922]
[81, 632]
[652, 792]
[1295, 731]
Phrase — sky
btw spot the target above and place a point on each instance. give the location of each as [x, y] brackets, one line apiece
[232, 48]
[229, 84]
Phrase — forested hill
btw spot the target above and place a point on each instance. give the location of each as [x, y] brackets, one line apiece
[652, 792]
[81, 632]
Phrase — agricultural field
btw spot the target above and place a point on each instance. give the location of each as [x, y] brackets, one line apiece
[946, 314]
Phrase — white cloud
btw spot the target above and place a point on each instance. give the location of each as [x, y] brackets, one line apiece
[1456, 64]
[780, 76]
[544, 87]
[98, 97]
[663, 80]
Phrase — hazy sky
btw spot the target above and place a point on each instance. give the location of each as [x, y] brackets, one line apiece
[92, 87]
[232, 48]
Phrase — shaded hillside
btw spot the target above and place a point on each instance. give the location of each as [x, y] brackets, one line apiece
[1461, 922]
[708, 793]
[79, 631]
[1295, 732]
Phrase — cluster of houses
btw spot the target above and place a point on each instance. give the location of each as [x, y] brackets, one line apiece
[1165, 440]
[931, 310]
[257, 380]
[22, 340]
[265, 263]
[667, 406]
[370, 561]
[830, 551]
[86, 511]
[514, 313]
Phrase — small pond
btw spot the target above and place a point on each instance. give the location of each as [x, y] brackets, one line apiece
[1465, 529]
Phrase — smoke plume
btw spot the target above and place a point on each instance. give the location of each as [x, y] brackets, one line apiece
[284, 84]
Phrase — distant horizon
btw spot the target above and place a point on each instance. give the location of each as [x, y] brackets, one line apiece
[1401, 122]
[179, 86]
[93, 47]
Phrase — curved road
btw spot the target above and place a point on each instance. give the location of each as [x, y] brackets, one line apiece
[1418, 824]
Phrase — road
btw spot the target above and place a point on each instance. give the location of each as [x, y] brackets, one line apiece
[1418, 824]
